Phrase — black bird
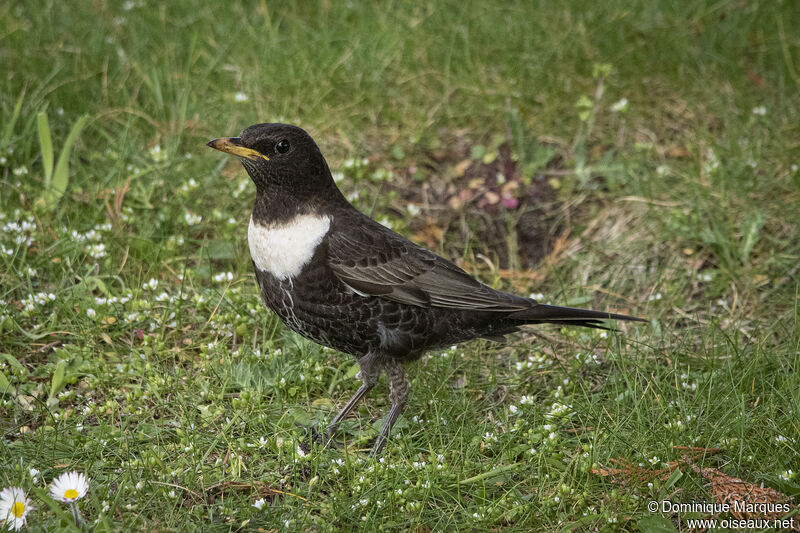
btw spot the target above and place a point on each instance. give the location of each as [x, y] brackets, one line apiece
[337, 277]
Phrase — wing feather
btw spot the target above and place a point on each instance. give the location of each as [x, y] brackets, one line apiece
[375, 261]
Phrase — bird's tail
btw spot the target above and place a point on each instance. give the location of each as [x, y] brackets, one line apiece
[571, 316]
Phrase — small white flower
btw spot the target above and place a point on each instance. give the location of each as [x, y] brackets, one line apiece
[97, 251]
[760, 110]
[654, 460]
[189, 185]
[69, 487]
[192, 219]
[620, 106]
[14, 506]
[240, 97]
[259, 503]
[157, 154]
[223, 276]
[526, 400]
[91, 313]
[711, 162]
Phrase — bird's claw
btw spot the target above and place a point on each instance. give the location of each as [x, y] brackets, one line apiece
[322, 438]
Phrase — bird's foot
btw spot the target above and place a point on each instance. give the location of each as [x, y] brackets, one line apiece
[377, 447]
[319, 438]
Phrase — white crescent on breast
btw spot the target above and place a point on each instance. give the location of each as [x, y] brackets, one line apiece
[284, 249]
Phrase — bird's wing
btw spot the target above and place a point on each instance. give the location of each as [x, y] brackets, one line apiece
[375, 261]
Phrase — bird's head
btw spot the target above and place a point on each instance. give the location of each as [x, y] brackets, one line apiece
[283, 161]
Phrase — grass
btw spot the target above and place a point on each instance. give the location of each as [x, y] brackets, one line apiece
[135, 348]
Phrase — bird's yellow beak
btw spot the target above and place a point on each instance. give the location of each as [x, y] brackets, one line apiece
[233, 145]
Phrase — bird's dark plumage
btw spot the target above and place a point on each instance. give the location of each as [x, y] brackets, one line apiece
[339, 278]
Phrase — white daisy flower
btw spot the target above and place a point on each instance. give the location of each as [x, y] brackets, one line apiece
[69, 487]
[14, 506]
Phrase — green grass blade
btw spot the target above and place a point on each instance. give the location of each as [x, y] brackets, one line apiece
[5, 385]
[61, 174]
[656, 524]
[46, 144]
[58, 378]
[13, 362]
[491, 473]
[9, 128]
[752, 230]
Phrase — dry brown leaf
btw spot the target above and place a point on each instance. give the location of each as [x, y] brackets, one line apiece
[746, 500]
[475, 183]
[492, 198]
[559, 246]
[263, 489]
[461, 168]
[430, 235]
[628, 473]
[679, 152]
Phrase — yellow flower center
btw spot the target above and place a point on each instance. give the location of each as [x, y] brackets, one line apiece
[18, 509]
[71, 494]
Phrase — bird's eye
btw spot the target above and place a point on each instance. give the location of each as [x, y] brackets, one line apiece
[283, 146]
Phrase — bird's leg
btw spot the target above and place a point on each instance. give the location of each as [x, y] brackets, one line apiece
[370, 371]
[398, 395]
[349, 406]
